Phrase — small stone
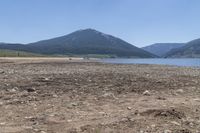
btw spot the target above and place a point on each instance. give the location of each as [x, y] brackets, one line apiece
[55, 96]
[109, 95]
[28, 127]
[153, 126]
[2, 123]
[29, 117]
[74, 104]
[167, 131]
[180, 91]
[191, 124]
[197, 100]
[146, 93]
[131, 119]
[161, 98]
[35, 129]
[129, 108]
[103, 113]
[13, 89]
[1, 72]
[141, 131]
[46, 79]
[69, 120]
[124, 119]
[31, 90]
[175, 123]
[136, 112]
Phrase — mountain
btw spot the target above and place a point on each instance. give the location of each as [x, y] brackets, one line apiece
[82, 42]
[190, 50]
[10, 46]
[13, 53]
[160, 49]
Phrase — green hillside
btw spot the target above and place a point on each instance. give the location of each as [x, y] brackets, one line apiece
[190, 50]
[13, 53]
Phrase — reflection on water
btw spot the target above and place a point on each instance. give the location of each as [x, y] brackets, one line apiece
[177, 62]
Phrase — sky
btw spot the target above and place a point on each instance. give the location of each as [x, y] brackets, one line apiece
[139, 22]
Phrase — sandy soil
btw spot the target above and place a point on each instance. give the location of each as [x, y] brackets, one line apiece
[72, 96]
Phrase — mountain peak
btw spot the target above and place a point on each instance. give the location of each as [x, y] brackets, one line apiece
[85, 42]
[93, 31]
[88, 29]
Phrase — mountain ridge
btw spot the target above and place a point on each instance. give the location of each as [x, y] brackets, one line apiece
[83, 42]
[160, 49]
[190, 50]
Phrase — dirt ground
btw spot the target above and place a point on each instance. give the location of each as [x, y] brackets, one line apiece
[72, 96]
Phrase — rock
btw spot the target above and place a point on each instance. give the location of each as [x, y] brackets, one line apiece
[180, 91]
[1, 103]
[73, 130]
[175, 123]
[197, 100]
[136, 112]
[1, 72]
[28, 127]
[109, 95]
[46, 79]
[6, 84]
[29, 117]
[74, 104]
[131, 119]
[36, 130]
[146, 93]
[153, 126]
[69, 120]
[191, 124]
[55, 96]
[161, 98]
[141, 131]
[13, 89]
[2, 123]
[31, 90]
[167, 131]
[129, 108]
[102, 112]
[124, 119]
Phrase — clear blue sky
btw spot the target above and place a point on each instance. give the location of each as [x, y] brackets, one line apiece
[140, 22]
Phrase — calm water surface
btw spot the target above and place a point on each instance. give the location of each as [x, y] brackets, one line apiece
[175, 62]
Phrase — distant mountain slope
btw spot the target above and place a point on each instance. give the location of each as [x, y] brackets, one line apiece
[83, 42]
[190, 50]
[10, 46]
[160, 49]
[13, 53]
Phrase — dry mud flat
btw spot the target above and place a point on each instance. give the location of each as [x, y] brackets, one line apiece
[72, 96]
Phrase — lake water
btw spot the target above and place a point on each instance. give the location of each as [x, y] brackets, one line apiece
[175, 62]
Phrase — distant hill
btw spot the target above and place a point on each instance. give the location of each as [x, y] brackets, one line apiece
[11, 46]
[190, 50]
[82, 42]
[160, 49]
[13, 53]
